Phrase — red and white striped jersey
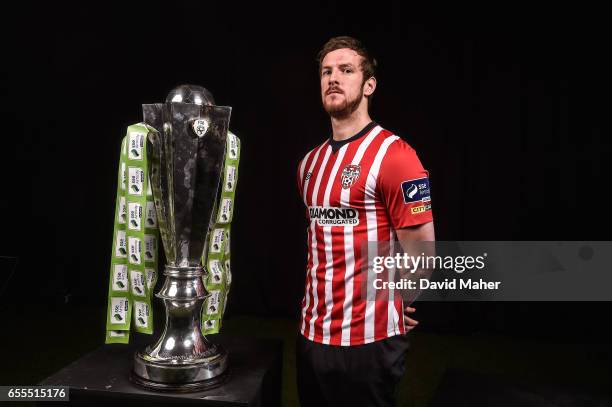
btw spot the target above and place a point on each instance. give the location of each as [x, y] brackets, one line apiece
[357, 191]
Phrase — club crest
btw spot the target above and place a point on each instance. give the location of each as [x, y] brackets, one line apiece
[350, 173]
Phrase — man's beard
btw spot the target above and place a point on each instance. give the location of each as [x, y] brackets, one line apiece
[343, 110]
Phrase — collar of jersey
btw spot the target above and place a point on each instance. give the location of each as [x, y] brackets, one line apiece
[337, 144]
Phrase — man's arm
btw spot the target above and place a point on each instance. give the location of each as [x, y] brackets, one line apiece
[404, 188]
[408, 238]
[424, 232]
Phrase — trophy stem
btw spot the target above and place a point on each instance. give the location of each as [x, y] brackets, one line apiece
[182, 358]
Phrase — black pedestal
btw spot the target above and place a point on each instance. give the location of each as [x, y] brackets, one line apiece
[102, 376]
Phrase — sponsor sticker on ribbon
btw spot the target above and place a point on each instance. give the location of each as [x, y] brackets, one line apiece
[138, 283]
[150, 278]
[150, 247]
[135, 215]
[120, 244]
[232, 146]
[216, 272]
[216, 240]
[230, 178]
[123, 175]
[150, 215]
[120, 278]
[119, 309]
[135, 180]
[135, 250]
[136, 144]
[225, 211]
[122, 212]
[212, 302]
[141, 314]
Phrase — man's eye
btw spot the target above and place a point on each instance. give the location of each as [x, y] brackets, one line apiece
[347, 70]
[325, 72]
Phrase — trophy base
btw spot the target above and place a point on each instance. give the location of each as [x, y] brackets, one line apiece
[164, 375]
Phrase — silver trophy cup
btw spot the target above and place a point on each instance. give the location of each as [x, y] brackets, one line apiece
[187, 155]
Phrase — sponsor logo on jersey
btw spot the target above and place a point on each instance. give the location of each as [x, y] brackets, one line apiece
[420, 208]
[417, 191]
[308, 175]
[349, 175]
[333, 216]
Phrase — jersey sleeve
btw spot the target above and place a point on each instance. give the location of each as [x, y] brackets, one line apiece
[404, 186]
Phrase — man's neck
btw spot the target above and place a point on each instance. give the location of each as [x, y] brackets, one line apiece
[349, 126]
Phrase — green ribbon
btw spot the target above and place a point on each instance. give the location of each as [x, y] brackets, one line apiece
[134, 263]
[217, 262]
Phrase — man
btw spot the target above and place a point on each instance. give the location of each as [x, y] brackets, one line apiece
[358, 186]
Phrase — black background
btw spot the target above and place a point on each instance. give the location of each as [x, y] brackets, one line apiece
[508, 113]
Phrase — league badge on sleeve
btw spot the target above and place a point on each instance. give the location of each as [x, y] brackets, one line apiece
[417, 191]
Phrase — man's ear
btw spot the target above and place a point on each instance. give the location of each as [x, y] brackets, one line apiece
[369, 86]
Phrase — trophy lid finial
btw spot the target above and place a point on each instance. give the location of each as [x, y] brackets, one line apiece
[193, 94]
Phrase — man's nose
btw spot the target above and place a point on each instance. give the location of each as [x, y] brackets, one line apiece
[333, 76]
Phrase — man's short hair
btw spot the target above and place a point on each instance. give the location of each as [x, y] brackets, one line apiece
[368, 63]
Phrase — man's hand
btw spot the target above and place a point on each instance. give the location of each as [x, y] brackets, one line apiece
[409, 322]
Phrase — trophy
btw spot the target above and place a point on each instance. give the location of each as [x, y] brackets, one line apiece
[187, 153]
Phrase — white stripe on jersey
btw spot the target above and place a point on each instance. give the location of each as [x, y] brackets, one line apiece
[327, 238]
[349, 254]
[372, 226]
[305, 190]
[315, 256]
